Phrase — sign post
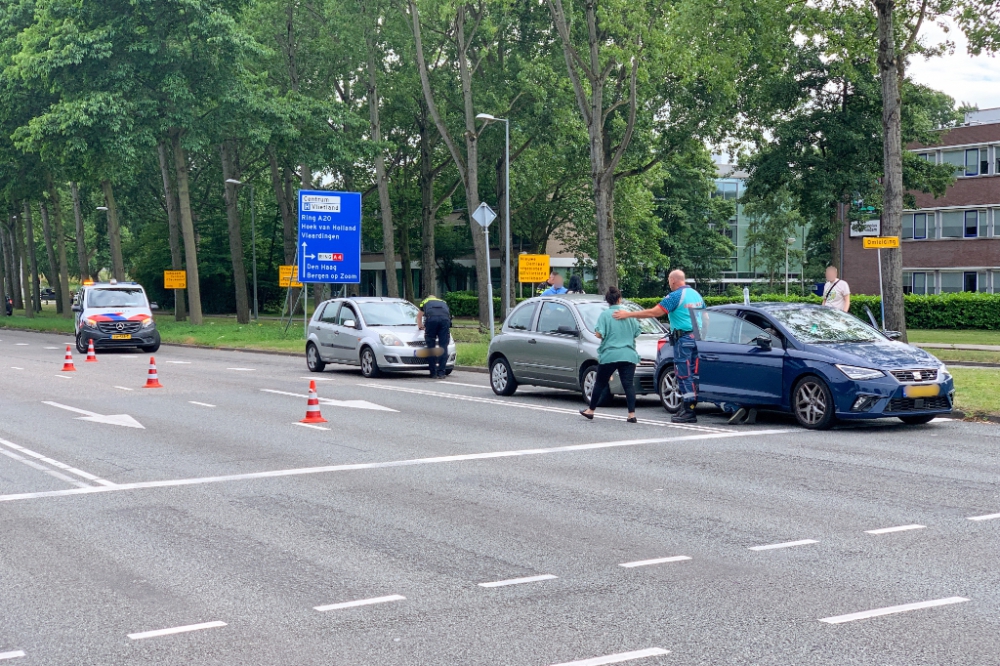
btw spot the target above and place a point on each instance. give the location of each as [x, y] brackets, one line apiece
[877, 243]
[329, 245]
[484, 215]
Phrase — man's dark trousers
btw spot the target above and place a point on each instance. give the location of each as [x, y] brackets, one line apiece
[437, 333]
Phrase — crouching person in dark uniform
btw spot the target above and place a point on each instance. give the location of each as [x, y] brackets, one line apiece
[434, 319]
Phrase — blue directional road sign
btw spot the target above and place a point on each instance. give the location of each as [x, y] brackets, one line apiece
[329, 237]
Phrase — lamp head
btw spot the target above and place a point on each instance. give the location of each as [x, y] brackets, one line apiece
[485, 116]
[233, 181]
[102, 208]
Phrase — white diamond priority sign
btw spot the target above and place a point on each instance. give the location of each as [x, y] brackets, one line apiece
[484, 215]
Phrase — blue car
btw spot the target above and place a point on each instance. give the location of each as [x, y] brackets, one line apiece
[820, 364]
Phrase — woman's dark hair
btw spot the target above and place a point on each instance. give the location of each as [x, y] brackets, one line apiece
[613, 296]
[575, 284]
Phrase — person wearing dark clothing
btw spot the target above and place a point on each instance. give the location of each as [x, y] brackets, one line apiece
[575, 285]
[434, 318]
[615, 354]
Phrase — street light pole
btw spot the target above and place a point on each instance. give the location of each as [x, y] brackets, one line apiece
[788, 243]
[507, 288]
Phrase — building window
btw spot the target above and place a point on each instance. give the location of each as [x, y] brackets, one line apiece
[728, 191]
[952, 283]
[915, 226]
[916, 283]
[971, 224]
[952, 224]
[955, 158]
[971, 281]
[972, 162]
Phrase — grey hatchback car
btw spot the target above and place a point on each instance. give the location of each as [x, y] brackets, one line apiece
[550, 341]
[378, 334]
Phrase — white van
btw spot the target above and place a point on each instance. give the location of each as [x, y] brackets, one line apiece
[115, 314]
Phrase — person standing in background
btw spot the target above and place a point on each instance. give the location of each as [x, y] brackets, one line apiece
[557, 288]
[615, 354]
[434, 319]
[836, 292]
[575, 285]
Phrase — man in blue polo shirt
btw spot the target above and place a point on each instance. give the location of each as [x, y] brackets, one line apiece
[556, 288]
[679, 306]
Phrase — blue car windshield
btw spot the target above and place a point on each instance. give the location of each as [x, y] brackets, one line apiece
[591, 311]
[819, 325]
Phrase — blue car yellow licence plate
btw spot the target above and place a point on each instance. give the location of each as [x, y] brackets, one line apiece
[926, 391]
[128, 336]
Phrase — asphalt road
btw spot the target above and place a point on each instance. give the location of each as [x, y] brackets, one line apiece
[222, 517]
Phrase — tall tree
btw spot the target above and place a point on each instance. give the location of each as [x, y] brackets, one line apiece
[173, 228]
[29, 241]
[230, 171]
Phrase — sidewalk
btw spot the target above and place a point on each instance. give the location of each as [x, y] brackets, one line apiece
[939, 345]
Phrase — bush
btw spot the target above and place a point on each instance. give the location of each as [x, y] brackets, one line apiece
[466, 304]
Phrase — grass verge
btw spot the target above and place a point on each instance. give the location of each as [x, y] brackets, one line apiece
[976, 391]
[950, 337]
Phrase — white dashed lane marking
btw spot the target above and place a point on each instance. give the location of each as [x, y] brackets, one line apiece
[863, 615]
[124, 388]
[360, 602]
[241, 369]
[617, 658]
[787, 544]
[309, 425]
[661, 560]
[175, 630]
[992, 516]
[12, 655]
[519, 581]
[901, 528]
[200, 404]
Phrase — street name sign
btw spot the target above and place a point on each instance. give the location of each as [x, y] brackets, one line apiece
[286, 277]
[175, 279]
[880, 242]
[329, 237]
[484, 215]
[532, 268]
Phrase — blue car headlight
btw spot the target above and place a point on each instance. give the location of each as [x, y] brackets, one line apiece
[854, 372]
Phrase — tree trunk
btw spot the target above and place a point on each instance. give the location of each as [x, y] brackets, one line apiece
[14, 264]
[60, 238]
[607, 260]
[81, 237]
[50, 252]
[114, 232]
[235, 235]
[428, 259]
[27, 300]
[406, 261]
[187, 230]
[4, 286]
[381, 178]
[173, 230]
[892, 155]
[29, 241]
[278, 177]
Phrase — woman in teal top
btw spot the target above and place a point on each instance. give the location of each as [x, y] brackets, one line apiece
[616, 354]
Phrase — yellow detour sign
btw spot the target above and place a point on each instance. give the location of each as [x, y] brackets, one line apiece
[532, 268]
[880, 242]
[288, 276]
[175, 279]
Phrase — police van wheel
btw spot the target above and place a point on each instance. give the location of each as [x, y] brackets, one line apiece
[369, 364]
[502, 379]
[82, 344]
[313, 360]
[151, 349]
[670, 395]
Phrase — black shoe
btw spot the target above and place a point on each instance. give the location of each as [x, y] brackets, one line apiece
[685, 415]
[631, 420]
[442, 375]
[584, 414]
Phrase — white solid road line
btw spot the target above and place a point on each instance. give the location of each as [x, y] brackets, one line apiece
[992, 516]
[661, 560]
[180, 362]
[124, 388]
[617, 658]
[21, 344]
[478, 386]
[318, 379]
[12, 655]
[360, 602]
[175, 630]
[787, 544]
[200, 404]
[14, 367]
[63, 377]
[309, 425]
[863, 615]
[539, 408]
[242, 369]
[518, 581]
[901, 528]
[301, 471]
[55, 463]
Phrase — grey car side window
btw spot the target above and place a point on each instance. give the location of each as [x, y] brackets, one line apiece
[520, 319]
[329, 315]
[723, 327]
[347, 314]
[553, 316]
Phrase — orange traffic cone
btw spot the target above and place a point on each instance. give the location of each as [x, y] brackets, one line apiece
[91, 354]
[152, 381]
[312, 409]
[68, 363]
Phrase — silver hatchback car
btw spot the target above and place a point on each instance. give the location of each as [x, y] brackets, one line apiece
[550, 341]
[378, 334]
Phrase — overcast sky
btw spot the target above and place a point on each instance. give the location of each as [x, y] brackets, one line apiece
[967, 79]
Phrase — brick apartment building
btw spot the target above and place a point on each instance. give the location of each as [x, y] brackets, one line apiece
[952, 243]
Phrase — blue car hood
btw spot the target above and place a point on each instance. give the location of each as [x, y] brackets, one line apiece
[880, 354]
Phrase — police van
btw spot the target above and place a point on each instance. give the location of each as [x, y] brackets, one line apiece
[114, 315]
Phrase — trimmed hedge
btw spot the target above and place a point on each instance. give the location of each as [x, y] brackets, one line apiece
[956, 311]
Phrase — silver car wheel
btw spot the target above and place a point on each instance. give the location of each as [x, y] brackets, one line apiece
[670, 394]
[312, 356]
[810, 403]
[589, 379]
[369, 366]
[499, 377]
